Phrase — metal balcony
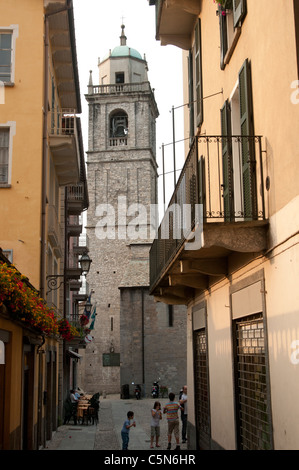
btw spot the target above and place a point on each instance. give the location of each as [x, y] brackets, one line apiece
[65, 146]
[75, 199]
[217, 209]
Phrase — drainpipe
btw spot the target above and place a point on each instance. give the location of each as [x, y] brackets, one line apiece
[44, 160]
[142, 308]
[42, 275]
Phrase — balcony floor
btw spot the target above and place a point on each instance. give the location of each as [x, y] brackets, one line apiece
[220, 247]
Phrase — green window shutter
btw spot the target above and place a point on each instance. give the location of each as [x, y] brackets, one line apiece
[191, 98]
[247, 144]
[239, 11]
[5, 56]
[223, 36]
[198, 74]
[201, 184]
[227, 164]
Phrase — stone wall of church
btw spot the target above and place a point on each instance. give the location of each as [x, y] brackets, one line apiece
[153, 342]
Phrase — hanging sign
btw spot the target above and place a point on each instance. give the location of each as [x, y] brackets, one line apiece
[88, 339]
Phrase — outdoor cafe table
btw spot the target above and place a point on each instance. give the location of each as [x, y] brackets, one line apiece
[83, 405]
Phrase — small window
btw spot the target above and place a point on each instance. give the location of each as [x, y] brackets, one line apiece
[4, 155]
[120, 77]
[7, 53]
[5, 56]
[8, 255]
[231, 17]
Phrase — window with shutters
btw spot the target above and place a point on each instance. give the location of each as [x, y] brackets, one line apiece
[197, 67]
[230, 20]
[191, 97]
[238, 151]
[7, 54]
[4, 155]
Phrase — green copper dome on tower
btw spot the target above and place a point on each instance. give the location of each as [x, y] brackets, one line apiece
[123, 50]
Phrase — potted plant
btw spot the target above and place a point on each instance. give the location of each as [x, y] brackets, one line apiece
[224, 6]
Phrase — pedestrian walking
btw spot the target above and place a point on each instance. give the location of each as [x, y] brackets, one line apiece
[171, 409]
[155, 423]
[74, 401]
[125, 432]
[184, 413]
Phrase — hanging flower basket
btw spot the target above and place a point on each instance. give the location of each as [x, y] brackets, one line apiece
[24, 304]
[84, 320]
[66, 330]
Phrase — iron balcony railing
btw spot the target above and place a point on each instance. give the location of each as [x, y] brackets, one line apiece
[75, 193]
[63, 122]
[221, 181]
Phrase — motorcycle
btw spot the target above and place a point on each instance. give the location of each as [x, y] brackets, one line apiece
[137, 391]
[155, 389]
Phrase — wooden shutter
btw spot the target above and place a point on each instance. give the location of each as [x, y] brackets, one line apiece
[227, 165]
[239, 10]
[201, 184]
[223, 36]
[198, 74]
[191, 98]
[247, 142]
[4, 155]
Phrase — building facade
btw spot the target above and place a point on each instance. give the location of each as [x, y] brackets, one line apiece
[122, 177]
[236, 268]
[43, 191]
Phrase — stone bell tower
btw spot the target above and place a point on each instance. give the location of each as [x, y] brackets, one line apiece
[133, 336]
[122, 178]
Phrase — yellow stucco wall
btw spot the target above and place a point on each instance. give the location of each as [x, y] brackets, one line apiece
[21, 203]
[14, 401]
[268, 41]
[272, 53]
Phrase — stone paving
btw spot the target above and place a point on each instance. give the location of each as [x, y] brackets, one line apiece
[106, 434]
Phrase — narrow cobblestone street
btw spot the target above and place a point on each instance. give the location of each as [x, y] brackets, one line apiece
[106, 434]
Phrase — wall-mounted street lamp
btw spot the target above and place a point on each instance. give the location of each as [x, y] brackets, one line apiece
[87, 307]
[55, 281]
[85, 263]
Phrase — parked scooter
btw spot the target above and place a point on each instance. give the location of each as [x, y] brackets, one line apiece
[155, 389]
[137, 391]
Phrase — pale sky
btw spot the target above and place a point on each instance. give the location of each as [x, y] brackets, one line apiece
[98, 28]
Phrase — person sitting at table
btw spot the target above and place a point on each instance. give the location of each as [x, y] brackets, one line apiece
[74, 399]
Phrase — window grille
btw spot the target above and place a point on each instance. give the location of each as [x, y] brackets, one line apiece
[253, 410]
[202, 408]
